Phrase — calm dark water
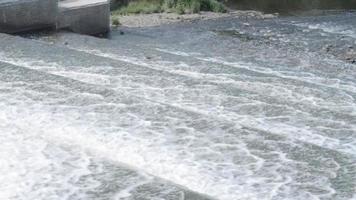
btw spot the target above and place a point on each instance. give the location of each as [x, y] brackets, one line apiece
[230, 108]
[290, 6]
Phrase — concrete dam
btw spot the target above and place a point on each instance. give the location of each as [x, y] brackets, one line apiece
[80, 16]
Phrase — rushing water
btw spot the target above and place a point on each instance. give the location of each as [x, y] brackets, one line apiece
[230, 109]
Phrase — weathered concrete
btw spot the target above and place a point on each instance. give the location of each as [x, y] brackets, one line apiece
[23, 15]
[80, 16]
[84, 16]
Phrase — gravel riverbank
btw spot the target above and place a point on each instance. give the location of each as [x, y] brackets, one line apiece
[156, 19]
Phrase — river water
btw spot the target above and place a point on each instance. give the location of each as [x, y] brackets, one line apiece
[223, 109]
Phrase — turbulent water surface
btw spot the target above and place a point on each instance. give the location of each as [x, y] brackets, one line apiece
[227, 109]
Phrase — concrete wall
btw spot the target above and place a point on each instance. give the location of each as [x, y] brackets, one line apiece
[84, 16]
[23, 15]
[80, 16]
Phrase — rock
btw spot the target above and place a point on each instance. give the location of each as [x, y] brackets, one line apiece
[328, 48]
[268, 16]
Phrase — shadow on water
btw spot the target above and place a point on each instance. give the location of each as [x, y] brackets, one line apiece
[291, 6]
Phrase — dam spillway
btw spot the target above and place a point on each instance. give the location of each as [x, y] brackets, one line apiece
[80, 16]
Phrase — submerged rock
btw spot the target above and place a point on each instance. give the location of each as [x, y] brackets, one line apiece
[236, 34]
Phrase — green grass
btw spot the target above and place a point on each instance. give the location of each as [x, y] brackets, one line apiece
[177, 6]
[116, 21]
[140, 7]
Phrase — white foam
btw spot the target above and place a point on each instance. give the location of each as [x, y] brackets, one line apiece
[330, 28]
[189, 160]
[293, 132]
[61, 129]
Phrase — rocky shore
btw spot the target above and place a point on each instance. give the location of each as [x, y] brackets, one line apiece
[156, 19]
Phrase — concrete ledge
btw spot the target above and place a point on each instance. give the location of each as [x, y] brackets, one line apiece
[80, 16]
[24, 15]
[84, 16]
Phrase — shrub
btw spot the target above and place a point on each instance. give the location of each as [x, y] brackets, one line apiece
[116, 21]
[168, 5]
[212, 5]
[178, 6]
